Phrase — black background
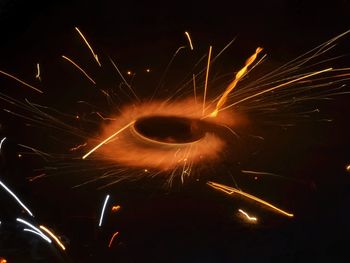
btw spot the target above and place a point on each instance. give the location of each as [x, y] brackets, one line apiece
[190, 223]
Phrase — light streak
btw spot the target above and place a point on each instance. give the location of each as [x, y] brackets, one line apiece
[233, 84]
[348, 168]
[77, 147]
[16, 198]
[277, 87]
[53, 236]
[78, 67]
[108, 139]
[31, 179]
[87, 43]
[230, 190]
[112, 238]
[206, 79]
[103, 210]
[247, 216]
[116, 208]
[37, 76]
[189, 39]
[1, 143]
[21, 81]
[33, 229]
[37, 233]
[194, 88]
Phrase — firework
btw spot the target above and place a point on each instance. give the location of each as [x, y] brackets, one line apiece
[175, 136]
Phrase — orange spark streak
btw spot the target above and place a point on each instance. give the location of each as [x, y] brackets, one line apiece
[78, 67]
[77, 147]
[277, 87]
[109, 138]
[194, 88]
[87, 43]
[247, 216]
[112, 238]
[206, 79]
[20, 81]
[53, 236]
[230, 190]
[189, 39]
[233, 84]
[31, 179]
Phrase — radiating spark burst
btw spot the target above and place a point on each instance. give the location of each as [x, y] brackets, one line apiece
[53, 236]
[112, 239]
[103, 210]
[231, 190]
[119, 152]
[250, 218]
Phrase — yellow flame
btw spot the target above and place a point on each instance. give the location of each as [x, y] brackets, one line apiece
[230, 190]
[233, 84]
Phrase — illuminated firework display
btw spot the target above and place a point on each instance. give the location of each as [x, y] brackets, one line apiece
[213, 124]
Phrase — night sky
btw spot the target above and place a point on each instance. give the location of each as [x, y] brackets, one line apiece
[190, 222]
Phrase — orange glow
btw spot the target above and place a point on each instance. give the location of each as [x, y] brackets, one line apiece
[78, 67]
[116, 208]
[20, 81]
[128, 148]
[3, 260]
[112, 238]
[230, 190]
[129, 72]
[53, 236]
[240, 74]
[348, 168]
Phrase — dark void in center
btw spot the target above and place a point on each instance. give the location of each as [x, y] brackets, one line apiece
[170, 129]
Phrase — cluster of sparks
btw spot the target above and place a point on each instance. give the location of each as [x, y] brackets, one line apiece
[124, 150]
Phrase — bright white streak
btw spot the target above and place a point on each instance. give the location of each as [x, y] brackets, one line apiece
[37, 233]
[15, 197]
[106, 140]
[103, 210]
[35, 229]
[189, 39]
[1, 142]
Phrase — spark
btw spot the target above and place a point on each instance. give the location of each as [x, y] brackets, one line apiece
[129, 72]
[16, 198]
[278, 86]
[247, 216]
[348, 168]
[108, 139]
[103, 210]
[31, 179]
[77, 147]
[53, 236]
[206, 79]
[194, 88]
[112, 238]
[20, 81]
[34, 229]
[116, 208]
[189, 39]
[148, 70]
[240, 74]
[105, 118]
[87, 43]
[230, 190]
[1, 143]
[37, 76]
[78, 67]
